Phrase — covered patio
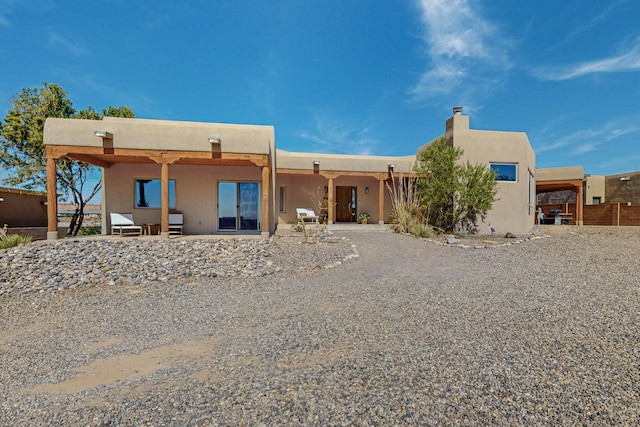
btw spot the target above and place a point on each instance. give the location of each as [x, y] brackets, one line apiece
[563, 179]
[127, 148]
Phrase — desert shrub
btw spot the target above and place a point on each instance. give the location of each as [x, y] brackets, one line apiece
[421, 230]
[90, 230]
[405, 205]
[11, 240]
[453, 196]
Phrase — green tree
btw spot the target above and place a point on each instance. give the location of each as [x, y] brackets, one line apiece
[453, 196]
[22, 150]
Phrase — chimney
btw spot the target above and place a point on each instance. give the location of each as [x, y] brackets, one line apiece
[457, 111]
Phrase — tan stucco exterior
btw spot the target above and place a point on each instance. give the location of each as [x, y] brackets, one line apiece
[514, 208]
[595, 189]
[22, 208]
[199, 156]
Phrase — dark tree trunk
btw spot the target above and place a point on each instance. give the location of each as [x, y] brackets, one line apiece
[76, 221]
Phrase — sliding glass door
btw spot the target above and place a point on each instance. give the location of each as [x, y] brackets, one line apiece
[238, 206]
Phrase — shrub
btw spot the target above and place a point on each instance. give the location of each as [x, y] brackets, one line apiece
[90, 230]
[11, 240]
[421, 230]
[453, 196]
[404, 203]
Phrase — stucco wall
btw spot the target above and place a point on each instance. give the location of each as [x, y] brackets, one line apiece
[21, 208]
[344, 162]
[514, 209]
[160, 135]
[302, 189]
[595, 187]
[196, 192]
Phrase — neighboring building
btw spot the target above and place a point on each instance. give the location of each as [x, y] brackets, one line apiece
[594, 190]
[22, 208]
[607, 200]
[562, 186]
[231, 178]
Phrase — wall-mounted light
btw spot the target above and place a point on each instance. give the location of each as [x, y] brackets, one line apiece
[215, 140]
[103, 134]
[44, 203]
[2, 198]
[326, 189]
[316, 163]
[625, 178]
[366, 190]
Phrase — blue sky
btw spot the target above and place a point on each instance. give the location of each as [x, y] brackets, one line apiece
[341, 76]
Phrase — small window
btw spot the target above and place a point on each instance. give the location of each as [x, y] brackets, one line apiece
[149, 193]
[282, 199]
[596, 200]
[505, 171]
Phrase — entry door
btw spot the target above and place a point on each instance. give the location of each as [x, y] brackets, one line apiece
[346, 199]
[238, 206]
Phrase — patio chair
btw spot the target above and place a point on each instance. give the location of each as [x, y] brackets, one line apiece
[307, 216]
[123, 225]
[176, 221]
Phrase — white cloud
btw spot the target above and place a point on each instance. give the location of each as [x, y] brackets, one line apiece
[462, 47]
[57, 41]
[586, 140]
[625, 62]
[339, 136]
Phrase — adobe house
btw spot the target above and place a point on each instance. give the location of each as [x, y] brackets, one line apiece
[230, 178]
[22, 208]
[24, 211]
[508, 153]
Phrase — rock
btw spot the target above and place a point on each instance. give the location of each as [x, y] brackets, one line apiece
[510, 235]
[453, 240]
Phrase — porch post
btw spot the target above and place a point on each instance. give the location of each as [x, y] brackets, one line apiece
[381, 202]
[330, 207]
[164, 190]
[52, 200]
[579, 207]
[265, 201]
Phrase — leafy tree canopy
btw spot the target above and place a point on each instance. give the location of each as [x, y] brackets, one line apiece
[22, 150]
[453, 196]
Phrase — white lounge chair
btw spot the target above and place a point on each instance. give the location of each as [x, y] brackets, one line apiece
[176, 221]
[307, 215]
[122, 224]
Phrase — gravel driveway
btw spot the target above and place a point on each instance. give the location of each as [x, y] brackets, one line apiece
[411, 332]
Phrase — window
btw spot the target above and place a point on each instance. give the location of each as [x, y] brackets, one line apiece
[148, 193]
[505, 171]
[282, 199]
[596, 200]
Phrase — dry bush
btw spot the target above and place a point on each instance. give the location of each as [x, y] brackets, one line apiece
[405, 204]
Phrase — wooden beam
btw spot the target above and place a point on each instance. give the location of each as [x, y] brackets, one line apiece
[164, 188]
[330, 203]
[333, 174]
[91, 160]
[52, 199]
[381, 201]
[265, 199]
[168, 156]
[579, 207]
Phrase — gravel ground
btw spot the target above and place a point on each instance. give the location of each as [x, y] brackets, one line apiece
[412, 332]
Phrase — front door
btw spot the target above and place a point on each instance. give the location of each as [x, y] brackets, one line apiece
[238, 206]
[346, 199]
